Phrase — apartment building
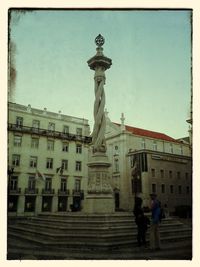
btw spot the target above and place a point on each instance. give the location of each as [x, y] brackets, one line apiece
[47, 160]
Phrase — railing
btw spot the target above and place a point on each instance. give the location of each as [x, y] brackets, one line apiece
[32, 191]
[63, 192]
[48, 191]
[49, 133]
[15, 191]
[77, 192]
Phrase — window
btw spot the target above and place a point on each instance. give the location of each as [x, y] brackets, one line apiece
[153, 188]
[155, 145]
[171, 148]
[65, 129]
[79, 131]
[78, 149]
[49, 163]
[65, 147]
[171, 189]
[143, 144]
[17, 140]
[163, 188]
[50, 145]
[15, 160]
[35, 142]
[77, 185]
[13, 182]
[116, 162]
[36, 124]
[78, 165]
[178, 175]
[170, 174]
[51, 126]
[63, 184]
[153, 173]
[132, 160]
[162, 173]
[48, 183]
[31, 183]
[33, 162]
[186, 176]
[180, 189]
[116, 147]
[19, 122]
[64, 164]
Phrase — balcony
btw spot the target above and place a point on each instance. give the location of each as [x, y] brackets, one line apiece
[63, 192]
[15, 191]
[48, 191]
[49, 133]
[31, 191]
[77, 192]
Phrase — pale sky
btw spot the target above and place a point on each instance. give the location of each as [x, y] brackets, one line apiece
[149, 81]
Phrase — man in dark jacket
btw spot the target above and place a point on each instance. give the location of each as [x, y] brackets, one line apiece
[141, 222]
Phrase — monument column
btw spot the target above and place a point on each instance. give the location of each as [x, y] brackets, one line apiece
[99, 198]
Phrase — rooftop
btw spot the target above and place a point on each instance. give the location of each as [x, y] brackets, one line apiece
[147, 133]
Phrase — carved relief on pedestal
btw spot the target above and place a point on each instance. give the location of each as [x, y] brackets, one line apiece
[99, 183]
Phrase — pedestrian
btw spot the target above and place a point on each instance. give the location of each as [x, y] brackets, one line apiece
[155, 220]
[141, 221]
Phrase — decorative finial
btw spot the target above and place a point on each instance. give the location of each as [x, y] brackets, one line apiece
[99, 40]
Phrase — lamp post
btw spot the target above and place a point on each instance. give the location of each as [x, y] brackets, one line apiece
[10, 172]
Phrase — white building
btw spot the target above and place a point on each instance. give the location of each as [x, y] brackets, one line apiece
[145, 162]
[40, 143]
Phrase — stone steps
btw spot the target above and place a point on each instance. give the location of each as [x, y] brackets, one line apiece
[101, 233]
[80, 232]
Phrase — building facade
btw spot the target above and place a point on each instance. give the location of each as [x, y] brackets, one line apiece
[48, 155]
[47, 160]
[145, 162]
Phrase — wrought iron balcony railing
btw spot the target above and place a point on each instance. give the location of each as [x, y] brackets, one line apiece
[45, 132]
[31, 191]
[63, 192]
[15, 191]
[77, 192]
[48, 191]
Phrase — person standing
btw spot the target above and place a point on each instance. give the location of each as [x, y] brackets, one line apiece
[155, 220]
[141, 222]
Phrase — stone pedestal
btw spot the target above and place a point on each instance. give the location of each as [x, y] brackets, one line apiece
[99, 198]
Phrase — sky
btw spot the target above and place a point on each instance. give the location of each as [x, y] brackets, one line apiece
[149, 80]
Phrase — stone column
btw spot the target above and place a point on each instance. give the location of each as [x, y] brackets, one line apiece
[20, 206]
[38, 204]
[99, 198]
[54, 203]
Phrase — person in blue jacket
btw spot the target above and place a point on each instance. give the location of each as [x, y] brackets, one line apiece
[155, 220]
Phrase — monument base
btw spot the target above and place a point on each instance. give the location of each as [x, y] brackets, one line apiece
[102, 203]
[99, 198]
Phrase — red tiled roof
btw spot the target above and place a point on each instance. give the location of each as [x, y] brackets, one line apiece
[147, 133]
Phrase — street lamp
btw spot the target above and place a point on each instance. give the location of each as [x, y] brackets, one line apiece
[10, 173]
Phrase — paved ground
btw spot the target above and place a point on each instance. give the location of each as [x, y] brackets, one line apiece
[170, 251]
